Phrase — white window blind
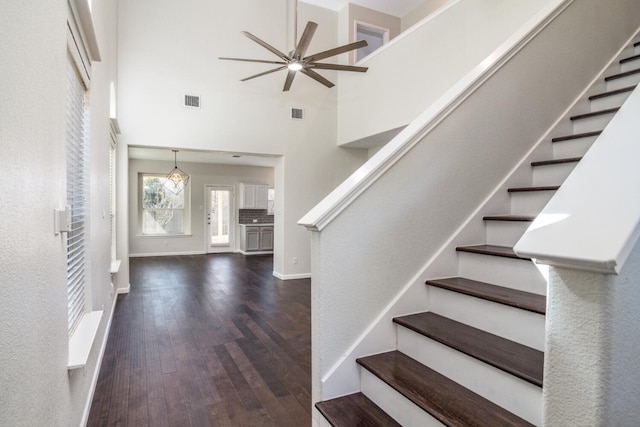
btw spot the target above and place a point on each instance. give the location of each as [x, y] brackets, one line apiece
[77, 148]
[112, 195]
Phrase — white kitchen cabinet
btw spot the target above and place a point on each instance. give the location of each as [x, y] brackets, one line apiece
[254, 196]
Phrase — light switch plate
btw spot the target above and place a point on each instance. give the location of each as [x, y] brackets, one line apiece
[61, 220]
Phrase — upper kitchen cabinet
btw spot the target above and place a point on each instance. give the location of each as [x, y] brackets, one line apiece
[253, 196]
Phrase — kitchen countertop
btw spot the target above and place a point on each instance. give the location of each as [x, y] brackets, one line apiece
[257, 224]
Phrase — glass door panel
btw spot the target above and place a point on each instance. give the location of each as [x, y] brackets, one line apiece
[220, 219]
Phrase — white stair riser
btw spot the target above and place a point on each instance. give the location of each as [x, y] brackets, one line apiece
[521, 326]
[607, 102]
[630, 65]
[504, 233]
[393, 403]
[323, 422]
[572, 148]
[529, 202]
[620, 83]
[513, 273]
[592, 123]
[517, 396]
[552, 174]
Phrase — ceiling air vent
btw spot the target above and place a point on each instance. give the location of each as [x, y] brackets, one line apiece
[192, 101]
[297, 113]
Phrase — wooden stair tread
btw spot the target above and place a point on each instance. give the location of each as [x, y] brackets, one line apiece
[523, 218]
[576, 136]
[502, 251]
[539, 188]
[595, 113]
[516, 359]
[556, 161]
[612, 92]
[622, 75]
[512, 297]
[354, 410]
[629, 59]
[444, 399]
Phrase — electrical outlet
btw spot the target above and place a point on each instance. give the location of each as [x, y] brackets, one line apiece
[295, 260]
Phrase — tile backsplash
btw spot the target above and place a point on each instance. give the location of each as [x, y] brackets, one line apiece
[247, 216]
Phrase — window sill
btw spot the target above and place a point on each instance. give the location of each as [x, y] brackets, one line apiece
[115, 266]
[163, 236]
[82, 339]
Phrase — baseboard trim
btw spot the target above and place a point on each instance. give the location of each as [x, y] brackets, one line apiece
[125, 290]
[292, 276]
[249, 253]
[152, 254]
[96, 371]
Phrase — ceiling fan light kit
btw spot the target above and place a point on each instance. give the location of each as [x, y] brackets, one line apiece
[297, 61]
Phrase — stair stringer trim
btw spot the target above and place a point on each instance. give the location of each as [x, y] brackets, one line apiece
[380, 336]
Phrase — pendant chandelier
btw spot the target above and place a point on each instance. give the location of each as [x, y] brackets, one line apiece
[177, 179]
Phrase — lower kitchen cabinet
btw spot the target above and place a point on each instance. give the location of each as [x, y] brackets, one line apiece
[256, 238]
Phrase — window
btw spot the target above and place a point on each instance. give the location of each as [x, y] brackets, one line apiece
[163, 212]
[77, 180]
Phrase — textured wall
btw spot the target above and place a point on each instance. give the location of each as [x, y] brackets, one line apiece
[35, 387]
[592, 371]
[32, 134]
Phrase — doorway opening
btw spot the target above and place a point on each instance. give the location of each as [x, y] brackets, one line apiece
[374, 35]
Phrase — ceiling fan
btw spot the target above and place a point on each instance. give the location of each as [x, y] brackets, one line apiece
[297, 61]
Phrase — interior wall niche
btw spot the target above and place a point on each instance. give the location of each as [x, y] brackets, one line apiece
[374, 35]
[375, 27]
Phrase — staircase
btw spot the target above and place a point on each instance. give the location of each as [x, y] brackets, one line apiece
[476, 358]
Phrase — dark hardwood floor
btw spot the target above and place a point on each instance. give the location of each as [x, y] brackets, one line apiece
[207, 340]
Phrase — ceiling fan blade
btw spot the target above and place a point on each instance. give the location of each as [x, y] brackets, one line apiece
[317, 77]
[267, 46]
[287, 83]
[262, 61]
[337, 67]
[303, 44]
[264, 73]
[336, 51]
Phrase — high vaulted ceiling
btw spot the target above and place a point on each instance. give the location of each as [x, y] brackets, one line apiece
[397, 8]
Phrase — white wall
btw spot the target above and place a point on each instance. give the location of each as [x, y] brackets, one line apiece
[420, 12]
[421, 64]
[166, 51]
[36, 386]
[201, 174]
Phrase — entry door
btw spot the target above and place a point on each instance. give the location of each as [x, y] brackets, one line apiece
[220, 219]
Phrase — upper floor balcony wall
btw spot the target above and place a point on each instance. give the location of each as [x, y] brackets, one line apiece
[420, 65]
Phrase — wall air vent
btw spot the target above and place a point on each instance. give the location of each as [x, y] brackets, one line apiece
[297, 113]
[192, 101]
